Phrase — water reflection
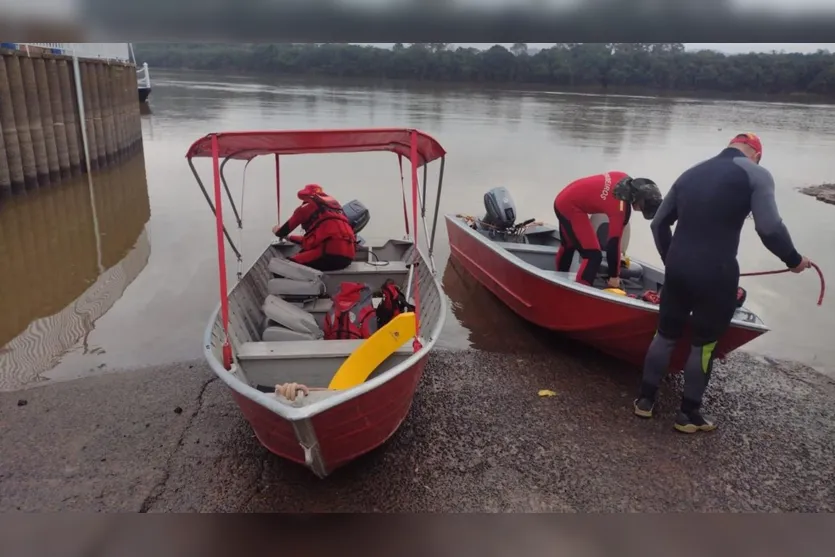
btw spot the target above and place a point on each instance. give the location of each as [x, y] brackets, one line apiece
[532, 142]
[52, 289]
[490, 325]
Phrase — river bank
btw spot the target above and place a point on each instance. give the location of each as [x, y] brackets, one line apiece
[407, 84]
[478, 438]
[822, 192]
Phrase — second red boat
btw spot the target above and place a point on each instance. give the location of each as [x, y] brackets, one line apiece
[517, 263]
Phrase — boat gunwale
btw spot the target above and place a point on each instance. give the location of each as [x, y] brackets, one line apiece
[292, 413]
[582, 289]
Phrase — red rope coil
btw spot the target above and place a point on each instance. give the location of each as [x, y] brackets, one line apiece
[814, 265]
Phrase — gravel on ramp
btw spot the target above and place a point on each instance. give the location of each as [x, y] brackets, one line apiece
[478, 438]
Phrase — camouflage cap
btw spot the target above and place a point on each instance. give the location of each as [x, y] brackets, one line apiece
[633, 190]
[648, 195]
[644, 188]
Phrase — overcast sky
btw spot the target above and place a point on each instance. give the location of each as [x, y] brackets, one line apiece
[730, 48]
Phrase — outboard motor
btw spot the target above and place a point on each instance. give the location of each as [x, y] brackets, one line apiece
[358, 215]
[501, 210]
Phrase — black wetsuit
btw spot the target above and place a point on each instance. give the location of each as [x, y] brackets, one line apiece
[710, 203]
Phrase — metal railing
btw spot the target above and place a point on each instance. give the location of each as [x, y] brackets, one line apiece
[143, 77]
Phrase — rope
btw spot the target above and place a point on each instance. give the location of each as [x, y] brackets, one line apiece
[292, 390]
[513, 229]
[781, 271]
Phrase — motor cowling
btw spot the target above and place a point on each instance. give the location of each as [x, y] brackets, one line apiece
[357, 214]
[501, 210]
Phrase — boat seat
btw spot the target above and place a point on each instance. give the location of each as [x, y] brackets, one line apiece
[312, 362]
[307, 349]
[296, 289]
[287, 322]
[320, 307]
[373, 274]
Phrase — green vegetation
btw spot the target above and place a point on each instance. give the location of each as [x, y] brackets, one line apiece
[653, 67]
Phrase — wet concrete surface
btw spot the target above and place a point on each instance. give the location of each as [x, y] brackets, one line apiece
[478, 438]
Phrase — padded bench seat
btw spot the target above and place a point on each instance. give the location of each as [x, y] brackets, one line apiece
[373, 274]
[293, 349]
[311, 362]
[320, 307]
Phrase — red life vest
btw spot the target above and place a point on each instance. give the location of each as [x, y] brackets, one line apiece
[352, 315]
[650, 296]
[393, 304]
[327, 223]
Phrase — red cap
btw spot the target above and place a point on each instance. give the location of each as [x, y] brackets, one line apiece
[308, 191]
[751, 140]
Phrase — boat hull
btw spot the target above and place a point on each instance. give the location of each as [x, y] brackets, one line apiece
[619, 330]
[338, 434]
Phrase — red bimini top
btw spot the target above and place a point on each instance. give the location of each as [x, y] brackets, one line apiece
[246, 145]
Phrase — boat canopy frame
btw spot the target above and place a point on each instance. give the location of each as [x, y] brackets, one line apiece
[420, 148]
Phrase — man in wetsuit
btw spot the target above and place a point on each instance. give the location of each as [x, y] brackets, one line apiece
[614, 194]
[710, 202]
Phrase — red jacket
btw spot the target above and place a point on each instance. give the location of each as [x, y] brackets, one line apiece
[592, 195]
[325, 226]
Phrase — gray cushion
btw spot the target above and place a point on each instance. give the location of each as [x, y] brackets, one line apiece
[290, 317]
[295, 288]
[292, 270]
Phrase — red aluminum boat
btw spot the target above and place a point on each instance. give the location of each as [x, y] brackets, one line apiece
[517, 263]
[266, 333]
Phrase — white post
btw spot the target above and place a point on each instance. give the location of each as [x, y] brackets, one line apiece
[80, 94]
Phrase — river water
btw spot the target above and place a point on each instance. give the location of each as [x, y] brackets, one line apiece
[121, 273]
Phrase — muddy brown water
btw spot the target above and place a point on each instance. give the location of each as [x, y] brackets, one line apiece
[123, 274]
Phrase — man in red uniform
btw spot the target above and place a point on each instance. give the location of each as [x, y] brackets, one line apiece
[329, 242]
[614, 194]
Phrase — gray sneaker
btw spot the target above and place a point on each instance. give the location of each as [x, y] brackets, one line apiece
[644, 407]
[693, 422]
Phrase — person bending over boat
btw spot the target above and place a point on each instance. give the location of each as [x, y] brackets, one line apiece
[329, 242]
[710, 203]
[614, 194]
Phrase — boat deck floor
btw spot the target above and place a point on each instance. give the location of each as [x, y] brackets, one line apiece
[538, 244]
[304, 356]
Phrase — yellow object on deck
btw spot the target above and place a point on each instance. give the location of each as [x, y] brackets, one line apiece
[617, 291]
[373, 352]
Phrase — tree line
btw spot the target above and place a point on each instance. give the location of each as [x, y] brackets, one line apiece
[655, 67]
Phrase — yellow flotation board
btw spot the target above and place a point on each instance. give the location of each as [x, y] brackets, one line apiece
[617, 291]
[373, 352]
